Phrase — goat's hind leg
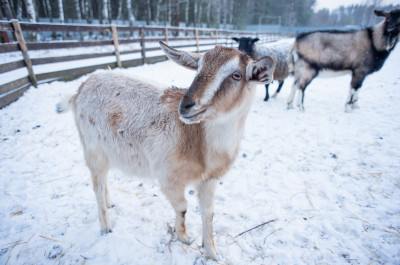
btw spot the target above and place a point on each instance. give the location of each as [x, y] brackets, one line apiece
[292, 94]
[206, 189]
[279, 89]
[175, 193]
[98, 165]
[307, 75]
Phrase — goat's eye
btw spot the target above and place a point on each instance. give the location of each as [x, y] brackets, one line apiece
[237, 76]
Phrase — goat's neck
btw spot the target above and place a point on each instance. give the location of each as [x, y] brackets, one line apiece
[378, 37]
[224, 134]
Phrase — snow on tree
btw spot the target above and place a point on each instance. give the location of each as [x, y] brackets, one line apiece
[30, 10]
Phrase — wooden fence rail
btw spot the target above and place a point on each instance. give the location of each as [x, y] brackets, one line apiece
[113, 38]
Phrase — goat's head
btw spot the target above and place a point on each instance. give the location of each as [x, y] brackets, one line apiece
[392, 26]
[246, 44]
[224, 79]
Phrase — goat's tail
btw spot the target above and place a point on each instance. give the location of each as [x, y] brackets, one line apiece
[293, 57]
[65, 104]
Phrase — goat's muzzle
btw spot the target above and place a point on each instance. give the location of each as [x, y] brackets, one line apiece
[189, 111]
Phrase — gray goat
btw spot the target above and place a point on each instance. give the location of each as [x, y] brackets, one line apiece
[360, 52]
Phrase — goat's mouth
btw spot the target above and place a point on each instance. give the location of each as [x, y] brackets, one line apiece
[190, 118]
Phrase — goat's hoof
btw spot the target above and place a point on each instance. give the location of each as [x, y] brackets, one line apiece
[348, 108]
[355, 106]
[184, 238]
[211, 253]
[274, 95]
[266, 99]
[106, 231]
[289, 106]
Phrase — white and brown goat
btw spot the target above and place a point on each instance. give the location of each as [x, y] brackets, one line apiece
[359, 52]
[179, 136]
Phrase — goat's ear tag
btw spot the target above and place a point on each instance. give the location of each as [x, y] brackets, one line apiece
[261, 71]
[186, 59]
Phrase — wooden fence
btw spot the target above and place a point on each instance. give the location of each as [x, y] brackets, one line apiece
[114, 36]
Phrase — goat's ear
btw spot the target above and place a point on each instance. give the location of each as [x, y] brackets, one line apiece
[261, 71]
[235, 39]
[187, 59]
[381, 13]
[255, 40]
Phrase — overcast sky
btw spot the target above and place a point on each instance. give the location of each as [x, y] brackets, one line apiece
[332, 4]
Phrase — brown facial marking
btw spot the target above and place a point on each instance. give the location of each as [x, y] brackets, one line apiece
[231, 90]
[213, 61]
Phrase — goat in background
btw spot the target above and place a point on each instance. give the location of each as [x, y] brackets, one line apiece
[360, 52]
[278, 50]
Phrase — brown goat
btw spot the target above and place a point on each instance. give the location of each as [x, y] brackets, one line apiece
[179, 136]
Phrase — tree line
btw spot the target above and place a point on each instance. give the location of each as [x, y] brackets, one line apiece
[234, 14]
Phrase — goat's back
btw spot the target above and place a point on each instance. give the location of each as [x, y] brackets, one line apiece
[279, 51]
[336, 50]
[119, 115]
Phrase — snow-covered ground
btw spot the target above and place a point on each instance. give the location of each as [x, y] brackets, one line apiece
[328, 181]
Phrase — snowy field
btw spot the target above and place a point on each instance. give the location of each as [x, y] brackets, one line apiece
[328, 182]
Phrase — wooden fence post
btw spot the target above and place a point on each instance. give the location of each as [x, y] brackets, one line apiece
[24, 50]
[142, 45]
[196, 33]
[216, 37]
[166, 34]
[115, 40]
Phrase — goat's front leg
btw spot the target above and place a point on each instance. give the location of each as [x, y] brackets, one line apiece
[352, 100]
[266, 92]
[176, 195]
[206, 190]
[357, 79]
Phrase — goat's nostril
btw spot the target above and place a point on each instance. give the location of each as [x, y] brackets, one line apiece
[188, 105]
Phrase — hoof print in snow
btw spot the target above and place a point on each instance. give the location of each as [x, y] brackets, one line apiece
[55, 252]
[334, 156]
[244, 155]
